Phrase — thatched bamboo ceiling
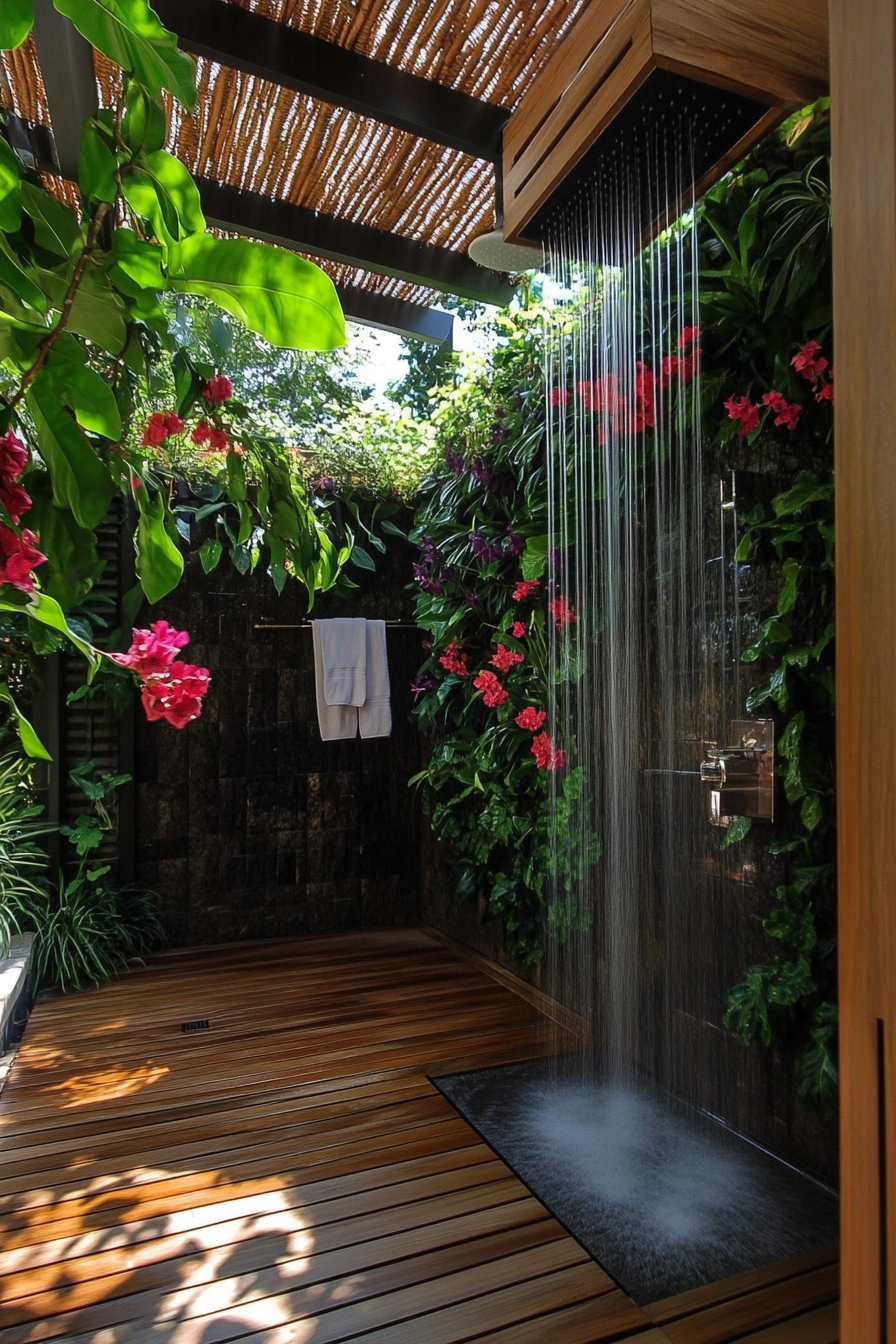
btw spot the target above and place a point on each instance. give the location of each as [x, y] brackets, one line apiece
[374, 153]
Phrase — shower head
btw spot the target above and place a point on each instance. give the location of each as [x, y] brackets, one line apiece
[729, 70]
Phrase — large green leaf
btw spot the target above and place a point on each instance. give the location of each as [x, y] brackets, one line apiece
[96, 165]
[159, 562]
[145, 122]
[84, 390]
[98, 313]
[30, 741]
[80, 481]
[130, 34]
[286, 299]
[135, 265]
[20, 280]
[47, 611]
[56, 227]
[72, 561]
[16, 22]
[10, 188]
[160, 189]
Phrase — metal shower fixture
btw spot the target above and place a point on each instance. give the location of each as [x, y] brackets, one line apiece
[742, 776]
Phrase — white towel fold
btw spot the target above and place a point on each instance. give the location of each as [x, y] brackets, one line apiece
[336, 721]
[343, 648]
[375, 715]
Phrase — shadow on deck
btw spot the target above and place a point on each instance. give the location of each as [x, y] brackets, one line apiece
[291, 1174]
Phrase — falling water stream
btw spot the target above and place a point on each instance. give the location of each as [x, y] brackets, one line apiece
[615, 1140]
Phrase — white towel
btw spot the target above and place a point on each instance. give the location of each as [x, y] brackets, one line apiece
[343, 650]
[336, 721]
[375, 715]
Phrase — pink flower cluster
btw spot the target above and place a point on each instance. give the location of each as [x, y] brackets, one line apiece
[505, 659]
[456, 661]
[524, 589]
[160, 427]
[19, 555]
[562, 612]
[518, 629]
[218, 389]
[811, 364]
[547, 756]
[530, 718]
[171, 690]
[216, 439]
[786, 412]
[493, 693]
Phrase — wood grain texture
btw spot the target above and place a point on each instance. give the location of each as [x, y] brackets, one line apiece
[863, 86]
[293, 1175]
[775, 53]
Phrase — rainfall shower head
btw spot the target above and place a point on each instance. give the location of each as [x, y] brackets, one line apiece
[706, 79]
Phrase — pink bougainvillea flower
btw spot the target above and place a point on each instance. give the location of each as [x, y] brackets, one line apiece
[786, 413]
[19, 557]
[524, 589]
[152, 651]
[689, 365]
[176, 695]
[456, 661]
[547, 756]
[13, 456]
[518, 630]
[14, 499]
[826, 393]
[530, 718]
[688, 336]
[218, 440]
[218, 389]
[560, 396]
[160, 427]
[201, 433]
[173, 423]
[809, 362]
[505, 659]
[562, 612]
[742, 409]
[493, 693]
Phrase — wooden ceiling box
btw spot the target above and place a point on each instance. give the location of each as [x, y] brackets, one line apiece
[759, 59]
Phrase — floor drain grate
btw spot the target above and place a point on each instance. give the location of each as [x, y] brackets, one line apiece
[201, 1024]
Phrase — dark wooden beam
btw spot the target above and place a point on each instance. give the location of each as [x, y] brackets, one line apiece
[242, 40]
[391, 314]
[66, 63]
[371, 249]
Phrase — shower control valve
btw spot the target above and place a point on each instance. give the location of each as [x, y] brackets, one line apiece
[742, 776]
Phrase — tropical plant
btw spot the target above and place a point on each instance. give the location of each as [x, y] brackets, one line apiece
[497, 786]
[86, 927]
[82, 323]
[22, 861]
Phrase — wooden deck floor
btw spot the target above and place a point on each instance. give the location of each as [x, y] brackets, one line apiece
[292, 1175]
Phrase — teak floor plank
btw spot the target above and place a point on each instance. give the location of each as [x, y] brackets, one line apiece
[817, 1327]
[293, 1174]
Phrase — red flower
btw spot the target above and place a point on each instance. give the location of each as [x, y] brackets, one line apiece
[218, 440]
[689, 365]
[807, 362]
[173, 423]
[505, 659]
[530, 718]
[826, 393]
[14, 498]
[518, 630]
[152, 651]
[176, 695]
[18, 557]
[560, 397]
[524, 589]
[13, 456]
[201, 432]
[493, 693]
[645, 397]
[586, 392]
[456, 661]
[668, 370]
[786, 413]
[547, 756]
[160, 428]
[218, 389]
[562, 613]
[742, 409]
[688, 336]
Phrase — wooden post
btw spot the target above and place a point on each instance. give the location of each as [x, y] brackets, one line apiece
[863, 88]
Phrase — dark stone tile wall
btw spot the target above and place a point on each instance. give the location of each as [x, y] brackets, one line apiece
[247, 823]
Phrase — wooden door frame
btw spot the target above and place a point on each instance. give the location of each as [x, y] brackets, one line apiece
[863, 88]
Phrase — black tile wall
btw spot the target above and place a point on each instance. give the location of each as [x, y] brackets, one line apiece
[247, 824]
